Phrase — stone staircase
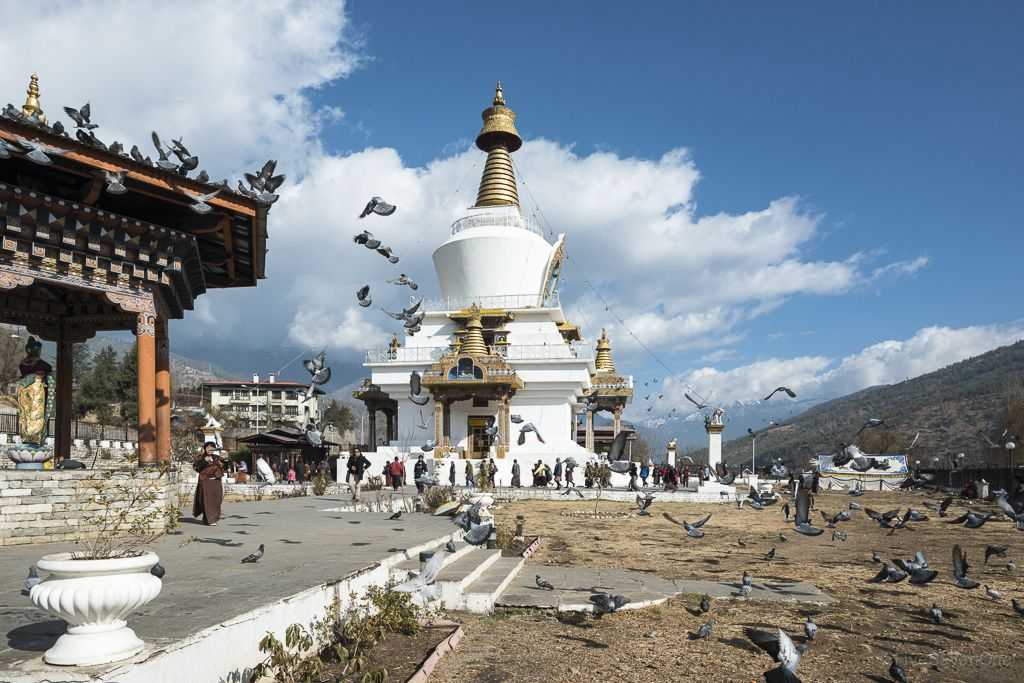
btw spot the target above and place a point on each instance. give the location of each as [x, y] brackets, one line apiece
[471, 579]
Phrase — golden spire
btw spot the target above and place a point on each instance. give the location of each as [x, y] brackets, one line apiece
[31, 105]
[604, 362]
[473, 339]
[498, 138]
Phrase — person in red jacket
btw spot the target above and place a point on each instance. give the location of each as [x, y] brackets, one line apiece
[397, 472]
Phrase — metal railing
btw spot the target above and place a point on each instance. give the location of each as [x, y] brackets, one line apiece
[508, 220]
[79, 430]
[506, 301]
[429, 354]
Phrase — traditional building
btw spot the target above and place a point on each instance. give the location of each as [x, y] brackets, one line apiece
[94, 238]
[262, 403]
[495, 352]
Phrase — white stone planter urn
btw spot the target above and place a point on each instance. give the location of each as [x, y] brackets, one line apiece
[94, 597]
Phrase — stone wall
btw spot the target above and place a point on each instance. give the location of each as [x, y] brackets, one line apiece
[53, 506]
[101, 455]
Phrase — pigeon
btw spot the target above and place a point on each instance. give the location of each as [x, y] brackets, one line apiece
[1010, 511]
[81, 116]
[1017, 606]
[918, 571]
[644, 501]
[960, 567]
[403, 279]
[857, 492]
[781, 649]
[543, 584]
[876, 558]
[516, 419]
[770, 555]
[896, 672]
[936, 614]
[703, 632]
[378, 206]
[32, 580]
[164, 161]
[428, 446]
[789, 392]
[450, 546]
[606, 603]
[158, 570]
[705, 603]
[993, 593]
[200, 206]
[700, 404]
[363, 296]
[916, 516]
[888, 574]
[944, 505]
[366, 239]
[255, 557]
[871, 424]
[741, 543]
[526, 428]
[692, 530]
[38, 152]
[396, 515]
[319, 372]
[830, 522]
[203, 176]
[1011, 567]
[386, 253]
[6, 148]
[997, 550]
[785, 511]
[115, 182]
[810, 628]
[746, 580]
[478, 534]
[838, 535]
[783, 537]
[972, 520]
[855, 506]
[423, 583]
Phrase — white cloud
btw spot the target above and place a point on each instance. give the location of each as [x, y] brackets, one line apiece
[237, 84]
[886, 362]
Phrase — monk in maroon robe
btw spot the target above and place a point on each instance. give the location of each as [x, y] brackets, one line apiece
[209, 492]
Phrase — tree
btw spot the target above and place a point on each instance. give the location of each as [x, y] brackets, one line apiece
[81, 364]
[127, 387]
[339, 414]
[99, 387]
[641, 450]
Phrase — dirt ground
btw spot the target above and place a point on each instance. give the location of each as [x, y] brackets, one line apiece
[979, 643]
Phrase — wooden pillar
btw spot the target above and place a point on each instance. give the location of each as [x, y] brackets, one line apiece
[589, 443]
[391, 424]
[504, 426]
[163, 394]
[438, 423]
[616, 421]
[145, 342]
[372, 419]
[447, 422]
[65, 372]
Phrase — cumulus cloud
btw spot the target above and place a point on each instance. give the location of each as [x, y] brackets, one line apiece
[886, 362]
[238, 86]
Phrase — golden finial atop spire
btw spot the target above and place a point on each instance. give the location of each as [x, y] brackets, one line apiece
[604, 361]
[473, 339]
[498, 138]
[31, 106]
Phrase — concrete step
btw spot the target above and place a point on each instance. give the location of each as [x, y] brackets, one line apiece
[480, 595]
[406, 569]
[454, 578]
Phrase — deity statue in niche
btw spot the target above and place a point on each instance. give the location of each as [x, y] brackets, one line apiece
[36, 395]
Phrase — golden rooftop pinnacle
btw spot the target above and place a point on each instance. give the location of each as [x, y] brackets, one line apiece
[498, 138]
[31, 105]
[604, 361]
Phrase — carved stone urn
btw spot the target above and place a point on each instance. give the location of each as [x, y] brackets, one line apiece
[95, 598]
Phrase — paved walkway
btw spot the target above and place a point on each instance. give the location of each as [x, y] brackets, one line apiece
[574, 585]
[206, 584]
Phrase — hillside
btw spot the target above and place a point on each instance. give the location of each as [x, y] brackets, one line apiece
[947, 406]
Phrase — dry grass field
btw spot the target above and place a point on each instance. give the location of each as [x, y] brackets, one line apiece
[980, 642]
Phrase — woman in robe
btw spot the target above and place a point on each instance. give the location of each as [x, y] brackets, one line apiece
[209, 492]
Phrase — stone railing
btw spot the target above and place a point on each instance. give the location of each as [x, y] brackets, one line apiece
[512, 352]
[495, 301]
[487, 220]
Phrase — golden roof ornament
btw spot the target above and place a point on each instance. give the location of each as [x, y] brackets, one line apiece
[499, 138]
[604, 362]
[31, 107]
[473, 339]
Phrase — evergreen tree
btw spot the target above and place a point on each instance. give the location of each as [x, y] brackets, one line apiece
[127, 387]
[99, 386]
[339, 415]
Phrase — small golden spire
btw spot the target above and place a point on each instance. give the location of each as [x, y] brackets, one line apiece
[604, 362]
[498, 138]
[473, 339]
[31, 106]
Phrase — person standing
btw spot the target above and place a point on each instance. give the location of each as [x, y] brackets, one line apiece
[451, 473]
[632, 477]
[469, 474]
[492, 472]
[645, 471]
[209, 490]
[356, 466]
[397, 472]
[419, 471]
[569, 467]
[538, 474]
[658, 469]
[588, 475]
[558, 473]
[515, 474]
[686, 476]
[291, 474]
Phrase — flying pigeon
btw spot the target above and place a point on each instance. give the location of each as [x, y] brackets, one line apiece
[944, 505]
[386, 253]
[403, 279]
[378, 206]
[703, 632]
[542, 584]
[423, 583]
[888, 574]
[428, 446]
[200, 206]
[919, 575]
[115, 182]
[789, 392]
[700, 404]
[1010, 511]
[606, 603]
[871, 424]
[644, 501]
[780, 648]
[396, 515]
[692, 530]
[960, 567]
[363, 295]
[164, 161]
[255, 557]
[81, 116]
[972, 520]
[478, 534]
[997, 550]
[528, 427]
[366, 239]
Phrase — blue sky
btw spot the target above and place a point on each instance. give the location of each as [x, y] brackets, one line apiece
[766, 193]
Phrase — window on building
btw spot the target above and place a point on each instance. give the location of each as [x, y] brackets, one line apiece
[291, 396]
[291, 410]
[276, 410]
[276, 394]
[479, 402]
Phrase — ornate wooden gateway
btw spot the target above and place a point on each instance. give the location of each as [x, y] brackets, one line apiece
[94, 237]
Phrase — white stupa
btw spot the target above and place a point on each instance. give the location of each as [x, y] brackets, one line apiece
[496, 347]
